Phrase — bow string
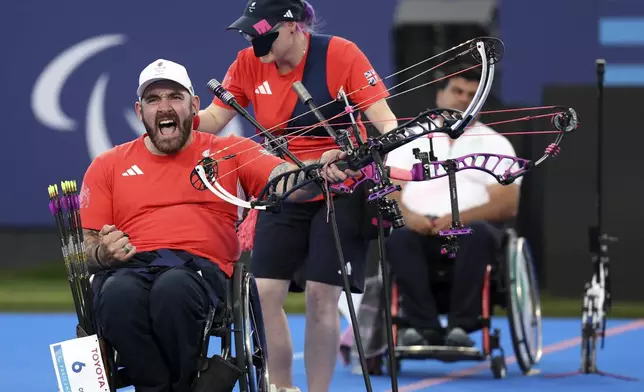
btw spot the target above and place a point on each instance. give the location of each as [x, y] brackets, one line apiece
[360, 105]
[368, 156]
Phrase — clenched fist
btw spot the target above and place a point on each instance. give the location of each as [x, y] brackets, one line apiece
[114, 245]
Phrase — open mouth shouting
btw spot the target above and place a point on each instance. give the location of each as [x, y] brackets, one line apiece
[168, 127]
[167, 132]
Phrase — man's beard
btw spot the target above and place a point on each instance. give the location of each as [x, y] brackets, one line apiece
[175, 144]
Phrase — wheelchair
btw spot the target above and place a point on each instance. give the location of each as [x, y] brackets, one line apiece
[239, 316]
[511, 284]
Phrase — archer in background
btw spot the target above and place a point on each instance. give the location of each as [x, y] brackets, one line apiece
[484, 204]
[297, 244]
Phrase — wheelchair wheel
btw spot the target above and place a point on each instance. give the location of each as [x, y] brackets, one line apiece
[524, 306]
[250, 339]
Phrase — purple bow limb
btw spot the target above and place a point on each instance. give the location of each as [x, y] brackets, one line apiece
[485, 162]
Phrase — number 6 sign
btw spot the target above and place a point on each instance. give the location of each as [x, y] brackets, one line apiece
[79, 365]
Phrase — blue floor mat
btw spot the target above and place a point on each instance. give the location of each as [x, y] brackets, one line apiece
[26, 365]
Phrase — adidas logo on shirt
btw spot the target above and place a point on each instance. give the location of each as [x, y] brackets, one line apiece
[264, 89]
[288, 14]
[133, 171]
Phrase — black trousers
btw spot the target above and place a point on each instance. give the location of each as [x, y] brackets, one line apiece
[298, 244]
[156, 323]
[412, 257]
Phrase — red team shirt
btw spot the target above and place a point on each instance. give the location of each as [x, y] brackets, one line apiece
[150, 197]
[274, 102]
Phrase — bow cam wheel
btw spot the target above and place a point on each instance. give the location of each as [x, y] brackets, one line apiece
[494, 49]
[211, 168]
[566, 121]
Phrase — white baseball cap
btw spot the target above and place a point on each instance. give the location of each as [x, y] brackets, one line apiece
[162, 69]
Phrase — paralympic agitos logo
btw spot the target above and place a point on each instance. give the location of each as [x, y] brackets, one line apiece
[46, 95]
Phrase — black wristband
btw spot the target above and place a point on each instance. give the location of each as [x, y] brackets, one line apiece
[98, 261]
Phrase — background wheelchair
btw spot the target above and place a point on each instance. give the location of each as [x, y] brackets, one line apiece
[239, 315]
[510, 283]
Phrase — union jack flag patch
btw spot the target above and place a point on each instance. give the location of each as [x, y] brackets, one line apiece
[371, 76]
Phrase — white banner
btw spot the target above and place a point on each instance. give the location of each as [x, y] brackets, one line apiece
[79, 365]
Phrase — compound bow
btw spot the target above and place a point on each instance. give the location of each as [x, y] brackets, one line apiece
[368, 157]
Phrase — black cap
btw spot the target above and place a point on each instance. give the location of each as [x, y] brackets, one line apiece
[260, 16]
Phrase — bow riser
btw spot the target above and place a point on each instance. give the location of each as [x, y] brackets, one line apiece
[271, 197]
[369, 173]
[413, 129]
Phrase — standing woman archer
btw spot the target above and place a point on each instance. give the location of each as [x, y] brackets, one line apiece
[284, 49]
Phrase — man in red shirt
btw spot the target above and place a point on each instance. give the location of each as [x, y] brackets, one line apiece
[150, 302]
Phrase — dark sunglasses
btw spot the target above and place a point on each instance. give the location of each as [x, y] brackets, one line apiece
[262, 44]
